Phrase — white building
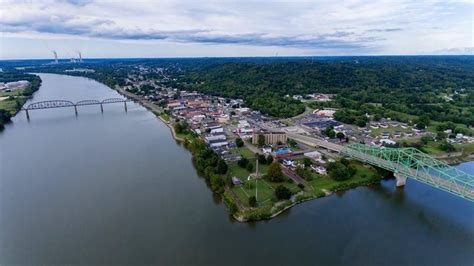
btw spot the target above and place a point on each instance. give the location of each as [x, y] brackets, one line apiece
[313, 155]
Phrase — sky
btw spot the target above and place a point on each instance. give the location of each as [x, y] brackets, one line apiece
[162, 28]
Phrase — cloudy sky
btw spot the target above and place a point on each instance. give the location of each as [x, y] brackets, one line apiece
[32, 29]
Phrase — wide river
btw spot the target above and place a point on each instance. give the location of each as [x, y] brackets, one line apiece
[115, 188]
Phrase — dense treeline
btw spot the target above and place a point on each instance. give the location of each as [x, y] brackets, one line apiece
[208, 164]
[412, 85]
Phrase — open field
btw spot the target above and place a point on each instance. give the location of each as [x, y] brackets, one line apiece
[364, 175]
[12, 106]
[245, 152]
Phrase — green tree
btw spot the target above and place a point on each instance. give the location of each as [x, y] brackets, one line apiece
[274, 173]
[239, 142]
[269, 159]
[217, 183]
[249, 167]
[292, 142]
[340, 172]
[447, 147]
[221, 167]
[425, 139]
[340, 135]
[282, 192]
[261, 140]
[440, 135]
[243, 162]
[252, 201]
[306, 162]
[261, 159]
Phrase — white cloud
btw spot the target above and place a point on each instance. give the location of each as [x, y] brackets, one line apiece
[325, 27]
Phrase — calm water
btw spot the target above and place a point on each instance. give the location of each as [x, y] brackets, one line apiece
[115, 188]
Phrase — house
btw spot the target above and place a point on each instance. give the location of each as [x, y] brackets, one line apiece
[217, 136]
[216, 129]
[267, 150]
[319, 169]
[387, 142]
[217, 143]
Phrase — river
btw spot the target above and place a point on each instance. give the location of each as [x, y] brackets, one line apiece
[115, 188]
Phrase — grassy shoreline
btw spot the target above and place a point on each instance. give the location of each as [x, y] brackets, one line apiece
[12, 102]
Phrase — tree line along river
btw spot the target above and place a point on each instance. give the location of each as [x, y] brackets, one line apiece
[115, 188]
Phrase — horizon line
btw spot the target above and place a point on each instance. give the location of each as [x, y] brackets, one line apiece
[263, 56]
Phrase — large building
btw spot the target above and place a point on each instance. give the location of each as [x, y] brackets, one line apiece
[271, 137]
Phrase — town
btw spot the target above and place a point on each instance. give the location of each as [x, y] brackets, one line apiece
[274, 163]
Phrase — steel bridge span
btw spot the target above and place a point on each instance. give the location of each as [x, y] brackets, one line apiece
[404, 163]
[64, 103]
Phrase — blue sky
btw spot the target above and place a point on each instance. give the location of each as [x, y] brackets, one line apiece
[32, 29]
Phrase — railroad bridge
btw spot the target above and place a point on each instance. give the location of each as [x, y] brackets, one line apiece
[65, 103]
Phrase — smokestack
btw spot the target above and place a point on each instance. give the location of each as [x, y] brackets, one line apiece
[55, 57]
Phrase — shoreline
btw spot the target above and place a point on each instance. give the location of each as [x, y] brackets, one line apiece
[259, 213]
[244, 216]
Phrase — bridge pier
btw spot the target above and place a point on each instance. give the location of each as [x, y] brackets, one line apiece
[101, 108]
[27, 114]
[401, 179]
[125, 104]
[75, 109]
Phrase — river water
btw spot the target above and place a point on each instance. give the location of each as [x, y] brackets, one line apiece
[115, 188]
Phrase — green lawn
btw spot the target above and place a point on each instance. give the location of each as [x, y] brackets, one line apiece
[12, 106]
[237, 171]
[245, 152]
[265, 188]
[12, 93]
[265, 191]
[165, 117]
[433, 124]
[363, 175]
[466, 147]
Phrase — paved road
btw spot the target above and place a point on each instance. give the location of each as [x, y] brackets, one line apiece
[311, 141]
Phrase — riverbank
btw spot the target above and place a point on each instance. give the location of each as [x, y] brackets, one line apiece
[11, 102]
[240, 214]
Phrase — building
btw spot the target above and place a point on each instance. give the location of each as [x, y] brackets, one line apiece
[217, 143]
[271, 137]
[313, 154]
[217, 136]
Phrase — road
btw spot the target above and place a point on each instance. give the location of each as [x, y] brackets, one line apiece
[311, 141]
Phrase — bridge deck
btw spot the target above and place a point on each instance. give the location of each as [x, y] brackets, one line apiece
[439, 175]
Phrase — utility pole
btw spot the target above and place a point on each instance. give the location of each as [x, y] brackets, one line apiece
[256, 179]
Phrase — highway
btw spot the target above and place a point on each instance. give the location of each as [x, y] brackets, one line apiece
[314, 142]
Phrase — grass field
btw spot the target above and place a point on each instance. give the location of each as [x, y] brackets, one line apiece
[237, 171]
[12, 106]
[363, 175]
[245, 152]
[265, 191]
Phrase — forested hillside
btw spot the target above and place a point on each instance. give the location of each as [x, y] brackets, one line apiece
[412, 85]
